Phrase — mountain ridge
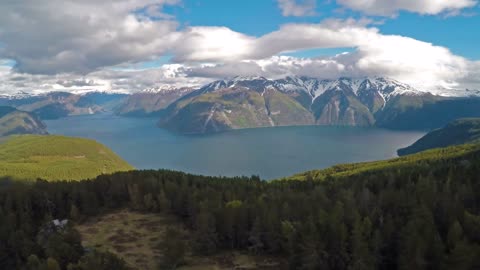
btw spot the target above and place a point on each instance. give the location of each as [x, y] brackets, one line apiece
[242, 102]
[13, 121]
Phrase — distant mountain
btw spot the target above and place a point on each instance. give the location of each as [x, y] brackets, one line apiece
[461, 131]
[53, 105]
[150, 102]
[13, 121]
[426, 112]
[106, 100]
[246, 102]
[57, 158]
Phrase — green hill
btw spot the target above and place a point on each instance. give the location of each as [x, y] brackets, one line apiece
[457, 132]
[410, 162]
[57, 157]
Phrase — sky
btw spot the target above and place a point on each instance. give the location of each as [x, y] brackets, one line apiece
[131, 45]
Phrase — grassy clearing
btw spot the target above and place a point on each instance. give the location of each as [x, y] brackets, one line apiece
[57, 158]
[137, 238]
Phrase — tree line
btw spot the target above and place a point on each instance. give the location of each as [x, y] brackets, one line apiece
[421, 217]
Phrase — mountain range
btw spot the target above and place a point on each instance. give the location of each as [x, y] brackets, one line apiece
[250, 102]
[247, 102]
[53, 105]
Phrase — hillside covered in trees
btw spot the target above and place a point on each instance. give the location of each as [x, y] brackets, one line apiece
[422, 215]
[460, 131]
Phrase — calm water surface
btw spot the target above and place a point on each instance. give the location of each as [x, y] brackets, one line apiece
[268, 152]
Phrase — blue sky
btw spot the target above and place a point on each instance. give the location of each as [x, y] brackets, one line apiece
[131, 45]
[259, 17]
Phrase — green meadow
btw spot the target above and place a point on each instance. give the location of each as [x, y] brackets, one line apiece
[28, 157]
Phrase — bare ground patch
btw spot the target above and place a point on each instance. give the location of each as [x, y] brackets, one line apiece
[135, 237]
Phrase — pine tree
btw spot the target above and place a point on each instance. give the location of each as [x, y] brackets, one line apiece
[205, 234]
[74, 213]
[173, 248]
[255, 237]
[52, 264]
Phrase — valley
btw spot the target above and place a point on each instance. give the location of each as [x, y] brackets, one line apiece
[253, 102]
[239, 135]
[268, 152]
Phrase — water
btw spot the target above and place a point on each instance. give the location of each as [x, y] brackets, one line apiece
[267, 152]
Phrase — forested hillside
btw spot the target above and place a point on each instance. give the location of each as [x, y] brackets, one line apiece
[460, 131]
[421, 216]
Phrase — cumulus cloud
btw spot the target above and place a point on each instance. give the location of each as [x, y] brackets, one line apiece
[88, 44]
[119, 80]
[297, 7]
[212, 44]
[77, 83]
[389, 8]
[413, 61]
[52, 36]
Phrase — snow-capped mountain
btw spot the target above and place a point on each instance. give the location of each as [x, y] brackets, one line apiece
[165, 88]
[256, 83]
[245, 102]
[385, 87]
[20, 95]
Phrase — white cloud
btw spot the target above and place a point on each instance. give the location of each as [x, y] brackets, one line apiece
[82, 47]
[392, 7]
[102, 80]
[52, 36]
[297, 7]
[212, 44]
[413, 61]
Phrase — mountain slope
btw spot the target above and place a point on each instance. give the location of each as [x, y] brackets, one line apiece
[339, 107]
[457, 132]
[426, 112]
[13, 121]
[206, 111]
[57, 157]
[150, 101]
